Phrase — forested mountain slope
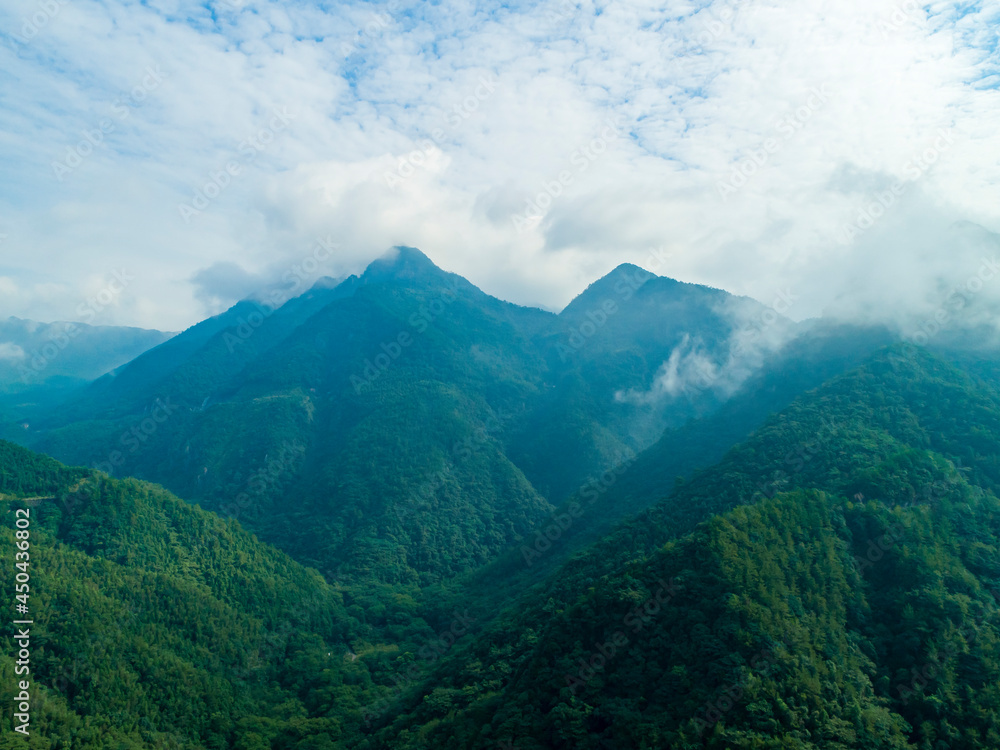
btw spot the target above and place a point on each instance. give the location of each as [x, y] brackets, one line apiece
[831, 583]
[640, 481]
[159, 625]
[60, 354]
[844, 595]
[400, 426]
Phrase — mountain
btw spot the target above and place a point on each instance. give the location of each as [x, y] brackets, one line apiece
[33, 353]
[834, 582]
[822, 350]
[633, 355]
[42, 363]
[401, 425]
[191, 362]
[155, 624]
[422, 517]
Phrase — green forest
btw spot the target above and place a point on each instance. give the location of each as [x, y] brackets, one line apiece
[486, 545]
[832, 582]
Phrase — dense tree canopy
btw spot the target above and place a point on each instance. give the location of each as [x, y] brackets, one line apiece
[832, 582]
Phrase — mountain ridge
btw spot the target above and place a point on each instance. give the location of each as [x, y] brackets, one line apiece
[467, 398]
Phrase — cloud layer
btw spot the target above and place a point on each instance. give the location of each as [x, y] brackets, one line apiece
[206, 148]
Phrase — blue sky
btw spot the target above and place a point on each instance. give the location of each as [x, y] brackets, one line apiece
[530, 147]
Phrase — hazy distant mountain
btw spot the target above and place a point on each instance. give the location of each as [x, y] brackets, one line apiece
[33, 353]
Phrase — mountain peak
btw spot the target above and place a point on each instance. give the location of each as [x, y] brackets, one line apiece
[328, 282]
[626, 268]
[626, 276]
[401, 262]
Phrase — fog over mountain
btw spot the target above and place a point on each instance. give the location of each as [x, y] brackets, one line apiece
[33, 353]
[538, 375]
[530, 148]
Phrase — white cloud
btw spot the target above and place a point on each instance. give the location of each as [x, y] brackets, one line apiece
[698, 89]
[756, 333]
[688, 370]
[10, 351]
